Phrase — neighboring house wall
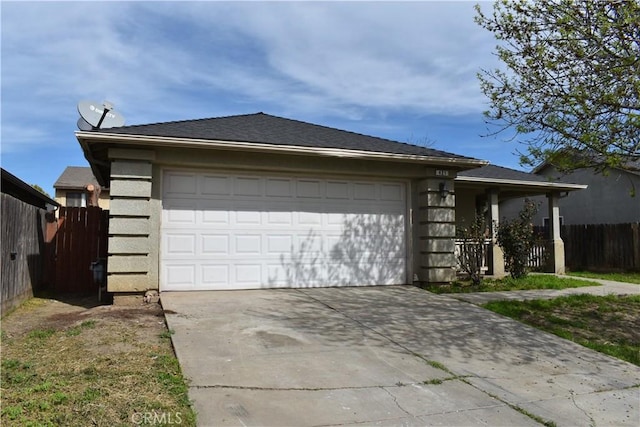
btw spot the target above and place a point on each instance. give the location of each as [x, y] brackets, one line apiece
[607, 200]
[61, 197]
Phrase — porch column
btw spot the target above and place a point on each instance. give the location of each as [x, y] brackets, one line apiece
[437, 229]
[555, 245]
[496, 256]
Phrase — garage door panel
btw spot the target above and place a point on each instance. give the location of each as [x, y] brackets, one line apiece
[179, 212]
[248, 217]
[279, 187]
[279, 218]
[215, 217]
[279, 244]
[180, 244]
[248, 274]
[215, 276]
[216, 185]
[180, 276]
[248, 186]
[309, 218]
[215, 244]
[309, 189]
[244, 232]
[365, 191]
[179, 184]
[249, 244]
[337, 190]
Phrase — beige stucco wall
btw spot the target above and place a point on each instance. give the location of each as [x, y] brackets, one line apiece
[136, 212]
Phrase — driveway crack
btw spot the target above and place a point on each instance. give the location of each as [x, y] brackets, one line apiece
[592, 422]
[256, 388]
[395, 400]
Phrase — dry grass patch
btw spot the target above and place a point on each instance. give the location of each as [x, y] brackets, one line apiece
[77, 365]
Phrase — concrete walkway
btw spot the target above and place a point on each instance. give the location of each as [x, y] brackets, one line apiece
[607, 287]
[387, 356]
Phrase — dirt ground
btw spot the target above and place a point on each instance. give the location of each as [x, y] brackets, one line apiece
[70, 361]
[65, 312]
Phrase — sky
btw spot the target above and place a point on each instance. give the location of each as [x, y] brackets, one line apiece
[405, 71]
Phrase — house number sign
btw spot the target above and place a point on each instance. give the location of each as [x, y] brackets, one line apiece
[442, 172]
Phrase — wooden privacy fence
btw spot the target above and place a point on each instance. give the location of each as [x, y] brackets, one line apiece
[604, 247]
[24, 251]
[81, 239]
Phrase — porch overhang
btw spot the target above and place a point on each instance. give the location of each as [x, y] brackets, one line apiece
[511, 188]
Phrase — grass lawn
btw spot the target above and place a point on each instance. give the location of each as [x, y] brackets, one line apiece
[609, 324]
[531, 281]
[79, 364]
[618, 277]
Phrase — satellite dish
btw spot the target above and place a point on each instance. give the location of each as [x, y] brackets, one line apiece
[99, 116]
[84, 125]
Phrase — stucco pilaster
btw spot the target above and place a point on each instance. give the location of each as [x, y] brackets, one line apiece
[436, 230]
[129, 231]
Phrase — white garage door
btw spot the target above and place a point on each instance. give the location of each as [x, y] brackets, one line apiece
[242, 231]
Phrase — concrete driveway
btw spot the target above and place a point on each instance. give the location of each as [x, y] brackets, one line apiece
[392, 355]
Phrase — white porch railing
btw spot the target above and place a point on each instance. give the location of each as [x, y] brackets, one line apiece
[536, 261]
[460, 247]
[537, 256]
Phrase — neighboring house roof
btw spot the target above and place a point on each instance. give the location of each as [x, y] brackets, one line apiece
[75, 178]
[19, 189]
[267, 129]
[631, 166]
[511, 178]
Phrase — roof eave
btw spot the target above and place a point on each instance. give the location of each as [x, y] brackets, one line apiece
[156, 141]
[26, 188]
[559, 186]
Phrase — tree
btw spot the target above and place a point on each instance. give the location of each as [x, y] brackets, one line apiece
[40, 189]
[516, 238]
[571, 86]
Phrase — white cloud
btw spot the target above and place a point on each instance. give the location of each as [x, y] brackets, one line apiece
[166, 61]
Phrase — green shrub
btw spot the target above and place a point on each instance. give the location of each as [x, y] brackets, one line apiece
[516, 238]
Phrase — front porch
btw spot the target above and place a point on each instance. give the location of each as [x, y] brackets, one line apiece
[537, 259]
[484, 189]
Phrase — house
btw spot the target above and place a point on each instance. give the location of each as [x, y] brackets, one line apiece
[607, 200]
[77, 187]
[259, 201]
[24, 240]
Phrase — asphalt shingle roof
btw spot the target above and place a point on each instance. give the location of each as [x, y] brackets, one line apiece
[75, 177]
[267, 129]
[500, 172]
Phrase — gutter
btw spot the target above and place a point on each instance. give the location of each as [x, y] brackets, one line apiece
[558, 185]
[159, 141]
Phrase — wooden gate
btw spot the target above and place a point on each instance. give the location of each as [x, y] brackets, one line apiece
[81, 238]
